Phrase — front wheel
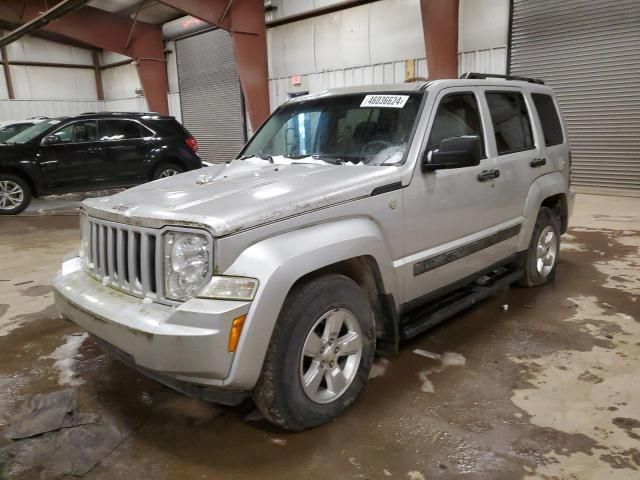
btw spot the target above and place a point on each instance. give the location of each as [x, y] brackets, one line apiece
[320, 354]
[15, 194]
[541, 259]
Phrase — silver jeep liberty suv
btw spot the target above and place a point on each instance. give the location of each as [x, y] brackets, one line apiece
[354, 219]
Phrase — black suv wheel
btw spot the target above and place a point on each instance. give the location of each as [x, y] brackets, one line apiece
[167, 170]
[15, 194]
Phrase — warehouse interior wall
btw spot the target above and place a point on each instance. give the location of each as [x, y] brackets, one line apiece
[51, 91]
[380, 42]
[483, 32]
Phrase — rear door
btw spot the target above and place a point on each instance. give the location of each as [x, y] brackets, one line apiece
[515, 146]
[71, 158]
[127, 144]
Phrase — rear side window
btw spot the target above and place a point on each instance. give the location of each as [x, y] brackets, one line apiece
[121, 130]
[457, 116]
[168, 127]
[549, 118]
[511, 122]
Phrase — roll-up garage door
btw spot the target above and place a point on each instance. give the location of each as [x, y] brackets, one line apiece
[210, 94]
[589, 52]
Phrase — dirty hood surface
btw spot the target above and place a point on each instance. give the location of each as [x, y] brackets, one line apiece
[240, 195]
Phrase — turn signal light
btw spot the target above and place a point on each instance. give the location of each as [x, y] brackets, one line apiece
[234, 334]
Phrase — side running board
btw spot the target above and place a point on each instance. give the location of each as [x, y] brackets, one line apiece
[426, 317]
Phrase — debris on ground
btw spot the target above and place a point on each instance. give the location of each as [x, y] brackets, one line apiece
[505, 307]
[379, 368]
[52, 438]
[447, 359]
[278, 441]
[43, 413]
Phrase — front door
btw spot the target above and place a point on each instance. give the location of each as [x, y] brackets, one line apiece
[451, 223]
[72, 158]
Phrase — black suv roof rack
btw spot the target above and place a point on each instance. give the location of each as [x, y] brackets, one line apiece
[121, 113]
[484, 76]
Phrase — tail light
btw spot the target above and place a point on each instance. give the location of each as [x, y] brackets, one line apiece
[192, 143]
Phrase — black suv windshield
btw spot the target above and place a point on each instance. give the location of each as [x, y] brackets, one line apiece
[366, 129]
[32, 132]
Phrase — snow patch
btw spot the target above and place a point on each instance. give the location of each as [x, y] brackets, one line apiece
[447, 359]
[65, 359]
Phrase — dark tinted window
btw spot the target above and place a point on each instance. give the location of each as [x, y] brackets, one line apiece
[121, 130]
[168, 127]
[457, 116]
[77, 132]
[12, 130]
[510, 122]
[549, 118]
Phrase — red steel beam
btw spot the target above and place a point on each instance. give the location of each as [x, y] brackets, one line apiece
[107, 31]
[440, 26]
[244, 19]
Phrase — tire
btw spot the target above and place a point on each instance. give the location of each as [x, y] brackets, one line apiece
[541, 259]
[280, 394]
[167, 170]
[15, 194]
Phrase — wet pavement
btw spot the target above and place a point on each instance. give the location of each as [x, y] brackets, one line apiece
[537, 383]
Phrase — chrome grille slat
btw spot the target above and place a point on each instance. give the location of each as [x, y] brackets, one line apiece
[125, 257]
[121, 258]
[145, 267]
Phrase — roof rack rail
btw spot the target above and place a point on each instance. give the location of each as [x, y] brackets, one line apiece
[120, 113]
[484, 76]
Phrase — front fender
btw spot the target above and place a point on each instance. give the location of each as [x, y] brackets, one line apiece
[542, 188]
[278, 262]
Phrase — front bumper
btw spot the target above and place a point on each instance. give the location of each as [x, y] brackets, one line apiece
[177, 346]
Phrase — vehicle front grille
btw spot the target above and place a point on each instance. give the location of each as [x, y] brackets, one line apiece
[125, 257]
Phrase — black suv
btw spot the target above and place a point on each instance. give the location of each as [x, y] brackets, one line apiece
[92, 151]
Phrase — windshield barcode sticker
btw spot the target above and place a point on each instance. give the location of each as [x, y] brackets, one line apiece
[385, 101]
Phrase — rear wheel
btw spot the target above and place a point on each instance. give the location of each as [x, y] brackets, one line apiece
[541, 260]
[167, 170]
[15, 194]
[320, 354]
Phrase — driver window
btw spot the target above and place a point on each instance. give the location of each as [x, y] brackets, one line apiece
[457, 116]
[77, 132]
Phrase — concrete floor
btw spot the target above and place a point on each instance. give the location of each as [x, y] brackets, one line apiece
[546, 387]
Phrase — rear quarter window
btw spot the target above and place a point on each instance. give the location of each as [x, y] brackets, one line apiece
[168, 127]
[549, 118]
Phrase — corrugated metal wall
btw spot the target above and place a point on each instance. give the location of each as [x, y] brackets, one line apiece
[210, 94]
[360, 45]
[589, 52]
[392, 72]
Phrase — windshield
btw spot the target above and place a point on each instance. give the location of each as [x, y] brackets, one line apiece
[12, 130]
[361, 129]
[32, 132]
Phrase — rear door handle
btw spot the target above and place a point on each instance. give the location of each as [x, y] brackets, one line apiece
[486, 175]
[537, 162]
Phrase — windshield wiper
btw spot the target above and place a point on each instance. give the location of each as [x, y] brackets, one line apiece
[261, 156]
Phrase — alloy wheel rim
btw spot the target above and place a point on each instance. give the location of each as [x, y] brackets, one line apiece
[331, 356]
[11, 195]
[546, 251]
[169, 172]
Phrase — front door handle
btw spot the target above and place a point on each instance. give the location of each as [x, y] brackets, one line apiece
[537, 162]
[486, 175]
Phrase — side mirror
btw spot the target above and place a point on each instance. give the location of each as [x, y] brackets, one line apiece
[453, 152]
[50, 140]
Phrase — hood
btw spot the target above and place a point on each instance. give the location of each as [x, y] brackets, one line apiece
[11, 152]
[228, 198]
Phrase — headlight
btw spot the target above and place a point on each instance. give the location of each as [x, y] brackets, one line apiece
[230, 288]
[186, 264]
